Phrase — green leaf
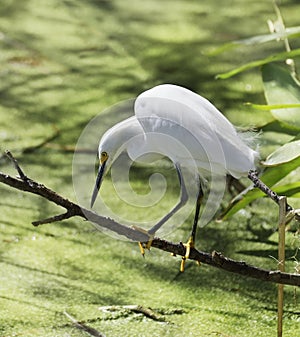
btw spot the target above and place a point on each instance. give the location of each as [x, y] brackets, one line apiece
[281, 87]
[292, 32]
[267, 107]
[273, 58]
[284, 154]
[241, 201]
[289, 190]
[276, 126]
[270, 177]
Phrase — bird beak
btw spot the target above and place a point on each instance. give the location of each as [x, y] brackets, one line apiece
[98, 181]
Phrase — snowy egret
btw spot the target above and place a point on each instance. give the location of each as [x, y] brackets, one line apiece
[212, 141]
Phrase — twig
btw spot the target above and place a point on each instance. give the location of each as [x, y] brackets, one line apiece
[234, 185]
[44, 142]
[215, 259]
[139, 309]
[30, 149]
[281, 261]
[16, 165]
[54, 218]
[84, 327]
[253, 176]
[69, 148]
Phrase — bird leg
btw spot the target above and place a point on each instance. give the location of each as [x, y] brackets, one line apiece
[143, 245]
[180, 204]
[191, 242]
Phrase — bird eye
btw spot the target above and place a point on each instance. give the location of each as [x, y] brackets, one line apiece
[104, 156]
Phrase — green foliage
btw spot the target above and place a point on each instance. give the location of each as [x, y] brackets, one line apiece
[280, 87]
[273, 58]
[291, 33]
[62, 62]
[282, 92]
[284, 154]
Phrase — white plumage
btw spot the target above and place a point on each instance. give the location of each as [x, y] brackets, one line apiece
[169, 118]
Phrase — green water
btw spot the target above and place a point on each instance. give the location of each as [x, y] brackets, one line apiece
[64, 62]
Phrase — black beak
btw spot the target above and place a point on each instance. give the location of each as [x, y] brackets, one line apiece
[98, 183]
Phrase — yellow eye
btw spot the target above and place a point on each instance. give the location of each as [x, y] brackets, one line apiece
[103, 157]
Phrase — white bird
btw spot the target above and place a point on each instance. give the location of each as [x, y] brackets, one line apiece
[175, 122]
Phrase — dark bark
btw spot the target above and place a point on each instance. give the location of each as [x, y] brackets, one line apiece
[215, 259]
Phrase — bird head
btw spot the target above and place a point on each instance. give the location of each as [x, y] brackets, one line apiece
[112, 144]
[108, 150]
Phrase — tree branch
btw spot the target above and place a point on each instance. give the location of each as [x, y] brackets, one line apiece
[82, 326]
[215, 259]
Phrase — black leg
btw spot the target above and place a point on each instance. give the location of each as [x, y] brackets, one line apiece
[197, 211]
[191, 242]
[180, 204]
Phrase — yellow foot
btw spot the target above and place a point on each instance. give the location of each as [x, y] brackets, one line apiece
[190, 244]
[144, 245]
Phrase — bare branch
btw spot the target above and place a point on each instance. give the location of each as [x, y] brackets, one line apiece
[54, 218]
[139, 309]
[132, 233]
[253, 176]
[44, 142]
[82, 326]
[16, 165]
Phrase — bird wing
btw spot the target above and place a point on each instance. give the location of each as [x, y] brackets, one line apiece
[198, 124]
